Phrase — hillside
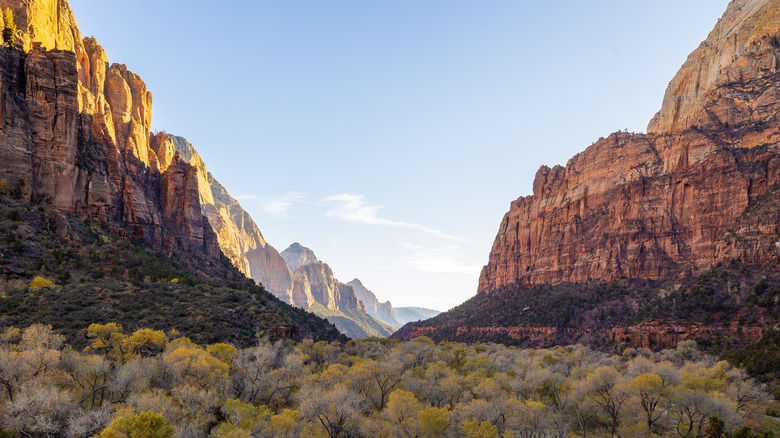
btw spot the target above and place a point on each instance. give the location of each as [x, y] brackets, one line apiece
[75, 140]
[662, 211]
[71, 271]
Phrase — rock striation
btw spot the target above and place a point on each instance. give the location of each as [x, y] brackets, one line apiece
[381, 311]
[649, 239]
[666, 203]
[75, 133]
[239, 237]
[316, 289]
[297, 255]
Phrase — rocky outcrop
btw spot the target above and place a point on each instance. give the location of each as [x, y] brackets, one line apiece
[297, 255]
[239, 237]
[645, 240]
[316, 280]
[740, 49]
[316, 289]
[48, 22]
[669, 202]
[658, 336]
[75, 134]
[381, 311]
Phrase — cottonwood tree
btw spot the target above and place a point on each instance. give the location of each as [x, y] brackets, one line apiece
[39, 410]
[268, 373]
[92, 375]
[143, 425]
[649, 389]
[376, 380]
[604, 388]
[338, 412]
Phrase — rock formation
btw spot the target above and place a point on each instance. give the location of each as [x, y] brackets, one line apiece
[239, 237]
[381, 311]
[666, 203]
[75, 134]
[316, 289]
[297, 255]
[699, 191]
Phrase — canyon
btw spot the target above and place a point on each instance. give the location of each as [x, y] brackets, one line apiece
[76, 134]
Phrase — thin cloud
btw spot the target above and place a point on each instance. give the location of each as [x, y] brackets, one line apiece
[438, 260]
[354, 208]
[245, 197]
[281, 206]
[278, 208]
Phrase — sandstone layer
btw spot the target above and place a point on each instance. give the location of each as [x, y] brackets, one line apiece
[666, 203]
[75, 131]
[239, 237]
[297, 255]
[381, 311]
[316, 289]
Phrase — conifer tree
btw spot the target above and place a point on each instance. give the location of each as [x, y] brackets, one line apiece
[9, 28]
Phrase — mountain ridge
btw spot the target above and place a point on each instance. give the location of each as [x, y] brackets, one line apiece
[75, 134]
[316, 289]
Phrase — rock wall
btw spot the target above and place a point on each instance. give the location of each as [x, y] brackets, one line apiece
[316, 281]
[75, 133]
[381, 311]
[741, 48]
[297, 255]
[316, 289]
[673, 201]
[239, 237]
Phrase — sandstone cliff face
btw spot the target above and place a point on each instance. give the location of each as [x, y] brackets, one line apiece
[75, 134]
[239, 237]
[297, 255]
[649, 239]
[670, 202]
[741, 48]
[381, 311]
[317, 290]
[324, 288]
[48, 22]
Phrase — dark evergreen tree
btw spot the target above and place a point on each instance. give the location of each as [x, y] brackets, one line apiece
[9, 29]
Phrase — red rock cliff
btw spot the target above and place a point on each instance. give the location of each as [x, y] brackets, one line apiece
[74, 132]
[239, 237]
[672, 201]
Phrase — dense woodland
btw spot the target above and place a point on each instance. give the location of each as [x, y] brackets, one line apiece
[149, 383]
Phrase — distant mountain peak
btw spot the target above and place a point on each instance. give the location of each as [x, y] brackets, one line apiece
[380, 311]
[297, 255]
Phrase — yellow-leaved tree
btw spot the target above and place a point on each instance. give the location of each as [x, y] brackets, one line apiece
[143, 425]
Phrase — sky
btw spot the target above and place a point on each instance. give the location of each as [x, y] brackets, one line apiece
[390, 137]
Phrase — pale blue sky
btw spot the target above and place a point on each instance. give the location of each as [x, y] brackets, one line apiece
[391, 136]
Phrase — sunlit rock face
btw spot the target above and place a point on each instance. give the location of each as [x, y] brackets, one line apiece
[76, 134]
[297, 255]
[381, 311]
[314, 282]
[239, 237]
[673, 201]
[316, 289]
